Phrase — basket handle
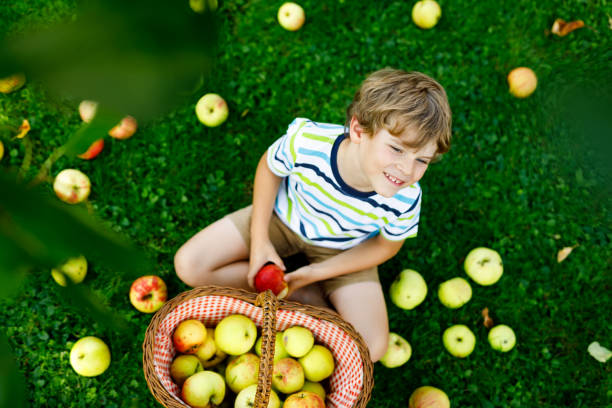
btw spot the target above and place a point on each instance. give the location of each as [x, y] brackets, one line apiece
[269, 303]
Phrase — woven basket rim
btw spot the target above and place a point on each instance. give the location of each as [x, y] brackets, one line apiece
[165, 398]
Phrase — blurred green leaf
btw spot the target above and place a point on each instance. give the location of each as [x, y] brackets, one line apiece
[134, 57]
[12, 382]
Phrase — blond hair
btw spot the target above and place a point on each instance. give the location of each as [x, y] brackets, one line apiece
[397, 100]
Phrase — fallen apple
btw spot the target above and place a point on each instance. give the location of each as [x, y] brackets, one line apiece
[428, 397]
[242, 372]
[271, 277]
[304, 399]
[291, 16]
[200, 6]
[522, 82]
[72, 186]
[1, 150]
[398, 351]
[90, 356]
[287, 375]
[454, 293]
[246, 398]
[408, 289]
[148, 293]
[426, 13]
[459, 340]
[298, 341]
[189, 335]
[183, 367]
[211, 110]
[484, 266]
[502, 338]
[318, 363]
[235, 334]
[12, 83]
[204, 389]
[74, 268]
[125, 129]
[93, 150]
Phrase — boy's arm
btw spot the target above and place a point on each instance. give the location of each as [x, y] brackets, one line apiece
[372, 252]
[264, 194]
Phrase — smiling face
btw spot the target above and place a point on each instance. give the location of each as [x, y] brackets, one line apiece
[383, 162]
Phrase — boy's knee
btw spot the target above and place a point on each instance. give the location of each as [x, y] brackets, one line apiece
[185, 266]
[377, 346]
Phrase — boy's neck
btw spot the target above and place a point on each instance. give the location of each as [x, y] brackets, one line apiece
[349, 166]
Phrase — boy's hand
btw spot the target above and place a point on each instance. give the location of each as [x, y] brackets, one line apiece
[299, 278]
[261, 254]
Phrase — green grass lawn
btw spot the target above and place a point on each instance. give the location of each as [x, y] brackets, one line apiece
[523, 176]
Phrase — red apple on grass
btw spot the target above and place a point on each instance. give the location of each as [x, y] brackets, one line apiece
[93, 150]
[270, 276]
[71, 186]
[148, 293]
[125, 129]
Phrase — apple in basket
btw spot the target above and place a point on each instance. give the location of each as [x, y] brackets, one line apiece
[204, 389]
[270, 276]
[318, 363]
[208, 349]
[287, 375]
[304, 399]
[315, 387]
[217, 358]
[246, 398]
[298, 341]
[242, 372]
[428, 397]
[188, 336]
[183, 367]
[235, 334]
[279, 349]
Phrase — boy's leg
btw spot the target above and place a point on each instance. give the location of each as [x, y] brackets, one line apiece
[217, 255]
[362, 304]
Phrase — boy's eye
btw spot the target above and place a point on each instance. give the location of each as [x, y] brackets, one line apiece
[422, 161]
[395, 149]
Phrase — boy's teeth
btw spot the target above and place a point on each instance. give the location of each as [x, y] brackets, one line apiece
[393, 179]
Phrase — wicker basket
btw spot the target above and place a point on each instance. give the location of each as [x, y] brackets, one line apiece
[350, 384]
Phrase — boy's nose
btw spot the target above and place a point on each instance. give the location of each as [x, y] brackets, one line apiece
[405, 168]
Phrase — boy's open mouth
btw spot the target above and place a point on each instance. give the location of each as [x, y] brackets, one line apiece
[392, 179]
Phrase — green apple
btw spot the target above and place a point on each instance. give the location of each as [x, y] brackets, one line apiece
[287, 375]
[454, 293]
[207, 350]
[204, 389]
[291, 16]
[459, 340]
[428, 397]
[90, 356]
[502, 338]
[246, 398]
[242, 372]
[315, 387]
[212, 110]
[235, 334]
[318, 363]
[408, 289]
[484, 266]
[398, 352]
[304, 399]
[74, 268]
[279, 349]
[298, 341]
[426, 13]
[215, 360]
[72, 186]
[189, 335]
[183, 367]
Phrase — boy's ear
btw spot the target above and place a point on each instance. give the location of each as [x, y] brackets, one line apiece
[356, 132]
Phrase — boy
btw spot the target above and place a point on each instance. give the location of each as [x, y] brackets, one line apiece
[345, 196]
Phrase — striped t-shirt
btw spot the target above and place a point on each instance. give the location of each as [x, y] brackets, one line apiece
[314, 201]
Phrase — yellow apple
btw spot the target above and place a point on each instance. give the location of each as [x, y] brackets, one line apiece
[408, 289]
[242, 372]
[90, 356]
[183, 367]
[428, 397]
[522, 82]
[235, 334]
[204, 389]
[287, 375]
[291, 16]
[72, 186]
[315, 387]
[1, 150]
[12, 83]
[318, 363]
[246, 398]
[74, 268]
[484, 266]
[212, 110]
[188, 336]
[426, 13]
[304, 399]
[459, 340]
[502, 338]
[454, 293]
[398, 351]
[298, 341]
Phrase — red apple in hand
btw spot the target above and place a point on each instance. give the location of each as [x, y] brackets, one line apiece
[270, 276]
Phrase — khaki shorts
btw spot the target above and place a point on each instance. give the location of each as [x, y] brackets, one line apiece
[287, 243]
